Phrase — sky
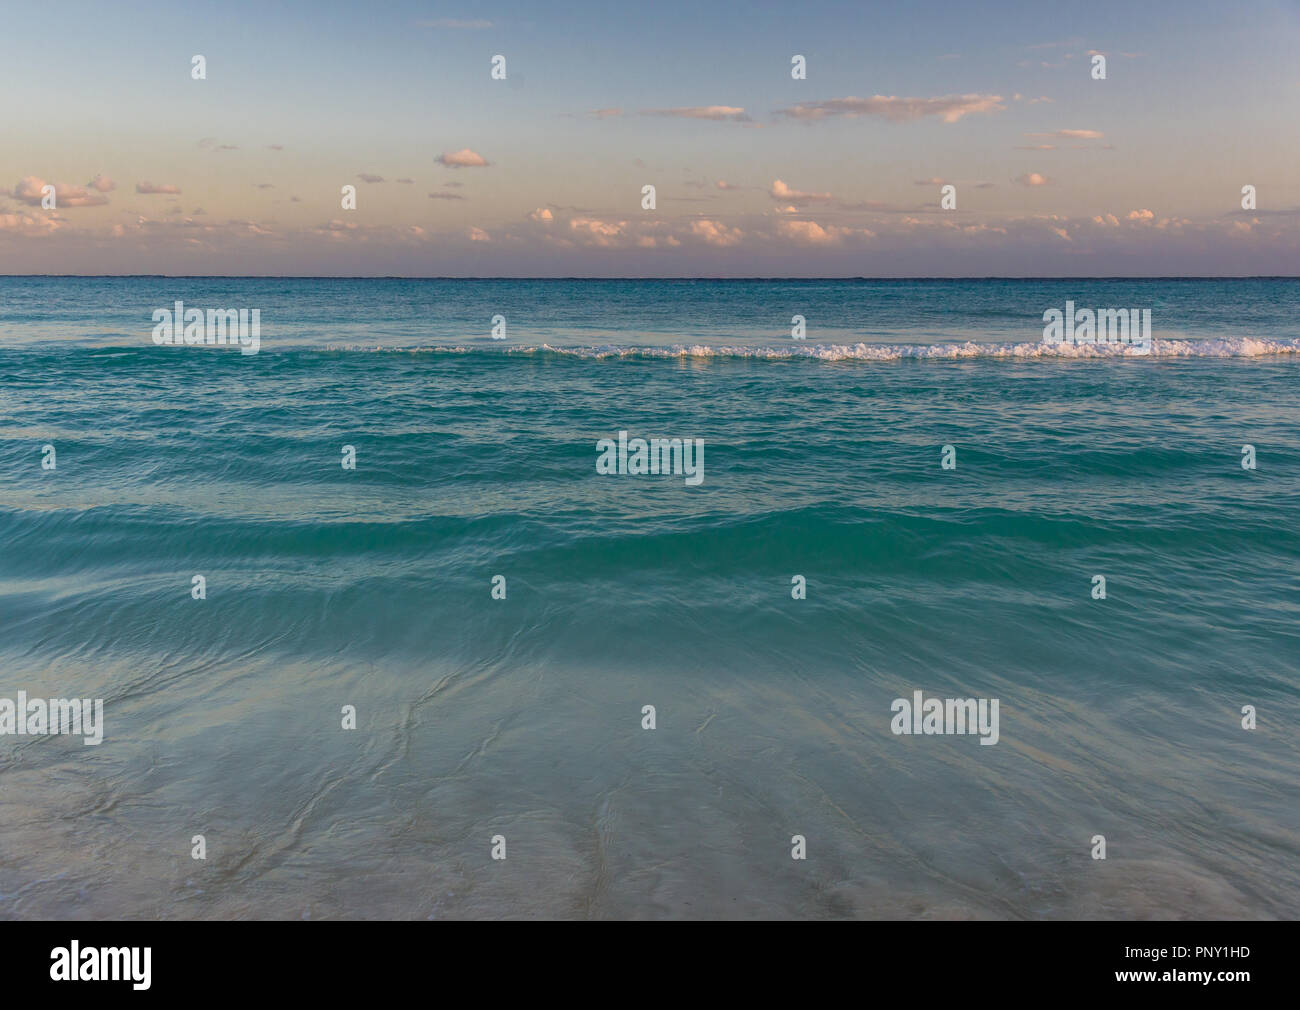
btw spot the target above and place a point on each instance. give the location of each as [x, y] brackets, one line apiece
[755, 173]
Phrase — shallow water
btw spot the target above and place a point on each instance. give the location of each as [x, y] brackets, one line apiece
[522, 717]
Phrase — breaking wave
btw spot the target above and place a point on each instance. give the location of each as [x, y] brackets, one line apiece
[1221, 347]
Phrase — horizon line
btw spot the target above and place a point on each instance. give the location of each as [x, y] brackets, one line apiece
[523, 277]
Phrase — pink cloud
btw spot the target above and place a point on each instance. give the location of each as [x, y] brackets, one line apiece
[809, 232]
[1071, 134]
[464, 158]
[949, 108]
[29, 191]
[716, 112]
[31, 226]
[784, 194]
[597, 232]
[715, 233]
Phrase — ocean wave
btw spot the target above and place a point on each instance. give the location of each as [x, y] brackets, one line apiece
[1220, 347]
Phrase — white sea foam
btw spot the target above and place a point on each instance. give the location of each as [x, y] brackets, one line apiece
[1217, 347]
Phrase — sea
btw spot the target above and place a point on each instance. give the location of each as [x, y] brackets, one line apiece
[376, 638]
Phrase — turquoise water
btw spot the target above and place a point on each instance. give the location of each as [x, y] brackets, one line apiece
[523, 716]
